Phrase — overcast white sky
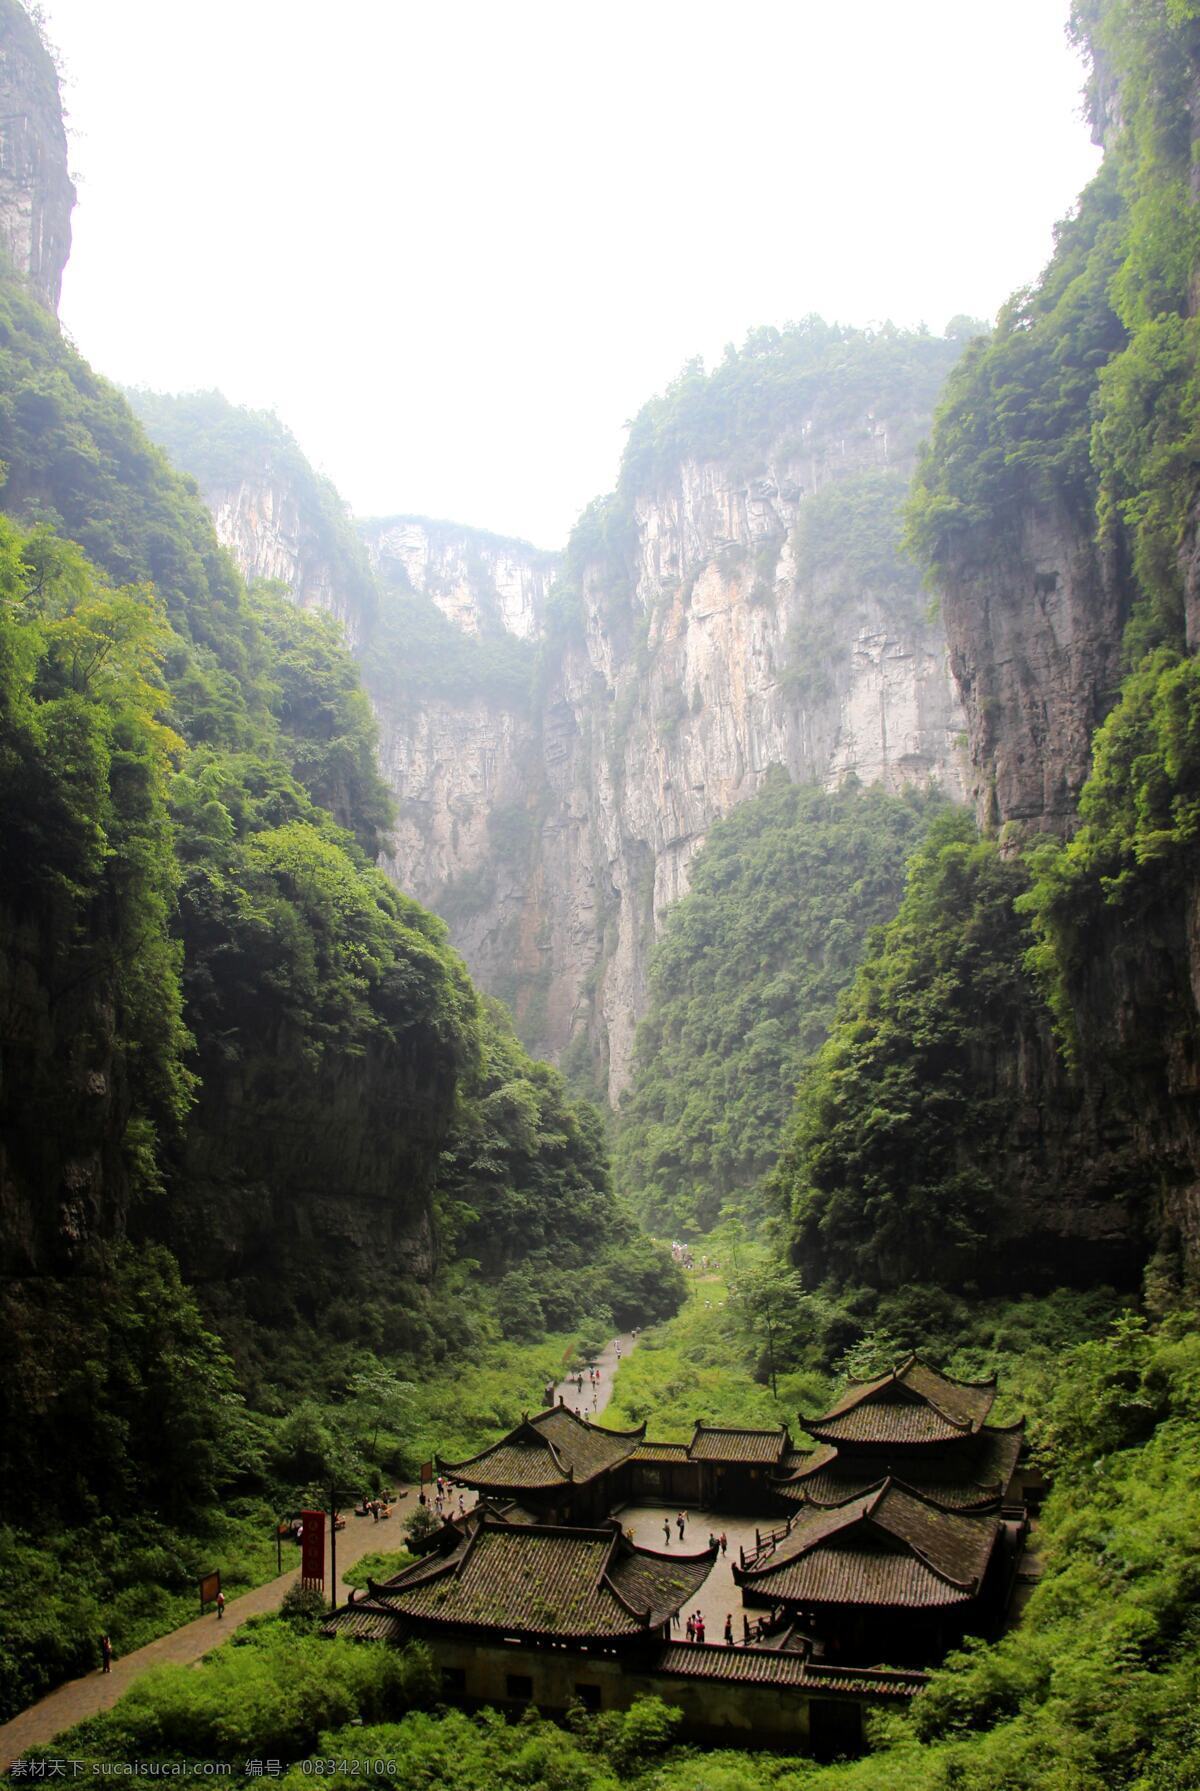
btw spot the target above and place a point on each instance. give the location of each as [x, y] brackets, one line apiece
[456, 244]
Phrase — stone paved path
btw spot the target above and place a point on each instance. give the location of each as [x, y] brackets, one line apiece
[592, 1400]
[70, 1703]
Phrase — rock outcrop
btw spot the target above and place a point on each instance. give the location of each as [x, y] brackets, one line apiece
[1034, 626]
[754, 613]
[478, 581]
[37, 196]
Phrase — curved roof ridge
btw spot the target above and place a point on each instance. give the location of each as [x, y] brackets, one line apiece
[989, 1380]
[963, 1424]
[740, 1430]
[471, 1461]
[898, 1484]
[875, 1488]
[585, 1423]
[939, 1573]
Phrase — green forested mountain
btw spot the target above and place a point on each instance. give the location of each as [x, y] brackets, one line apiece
[1012, 1059]
[744, 982]
[230, 1046]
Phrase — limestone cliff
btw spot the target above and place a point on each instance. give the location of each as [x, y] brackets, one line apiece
[1058, 507]
[478, 581]
[277, 516]
[36, 192]
[733, 607]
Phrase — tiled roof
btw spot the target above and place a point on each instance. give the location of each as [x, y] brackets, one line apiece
[712, 1443]
[767, 1666]
[656, 1582]
[664, 1452]
[552, 1449]
[365, 1623]
[887, 1547]
[536, 1580]
[853, 1576]
[914, 1405]
[750, 1666]
[969, 1475]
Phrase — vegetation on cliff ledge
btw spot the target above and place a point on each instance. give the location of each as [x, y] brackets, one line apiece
[744, 982]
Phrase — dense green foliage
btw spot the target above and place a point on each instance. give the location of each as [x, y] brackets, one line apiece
[1089, 395]
[760, 395]
[219, 997]
[898, 1121]
[743, 985]
[527, 1182]
[413, 652]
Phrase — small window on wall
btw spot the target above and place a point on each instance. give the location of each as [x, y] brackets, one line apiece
[454, 1680]
[520, 1685]
[588, 1695]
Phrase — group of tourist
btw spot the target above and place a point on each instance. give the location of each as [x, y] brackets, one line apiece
[681, 1253]
[442, 1500]
[751, 1632]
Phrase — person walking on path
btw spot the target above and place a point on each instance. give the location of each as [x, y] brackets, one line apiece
[666, 1532]
[729, 1629]
[724, 1541]
[691, 1630]
[682, 1524]
[220, 1605]
[700, 1627]
[105, 1655]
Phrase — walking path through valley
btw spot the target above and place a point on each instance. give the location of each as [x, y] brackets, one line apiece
[78, 1698]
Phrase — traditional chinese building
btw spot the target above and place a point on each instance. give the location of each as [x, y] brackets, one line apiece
[517, 1613]
[904, 1532]
[903, 1527]
[572, 1471]
[556, 1464]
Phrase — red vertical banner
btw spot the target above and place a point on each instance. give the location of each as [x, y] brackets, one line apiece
[312, 1547]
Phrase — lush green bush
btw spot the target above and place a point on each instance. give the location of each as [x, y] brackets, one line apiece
[743, 986]
[898, 1121]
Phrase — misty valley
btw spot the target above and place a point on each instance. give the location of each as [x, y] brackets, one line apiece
[600, 1148]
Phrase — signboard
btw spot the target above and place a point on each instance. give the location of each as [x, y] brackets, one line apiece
[426, 1473]
[210, 1585]
[312, 1550]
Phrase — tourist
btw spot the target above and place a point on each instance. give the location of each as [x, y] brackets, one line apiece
[667, 1532]
[724, 1541]
[729, 1629]
[712, 1539]
[105, 1655]
[220, 1604]
[700, 1627]
[681, 1522]
[691, 1631]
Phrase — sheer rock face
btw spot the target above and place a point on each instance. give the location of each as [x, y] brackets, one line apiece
[36, 193]
[554, 833]
[477, 580]
[554, 836]
[266, 528]
[1034, 624]
[725, 658]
